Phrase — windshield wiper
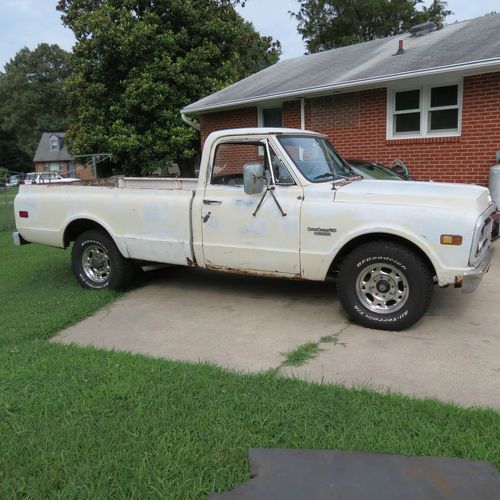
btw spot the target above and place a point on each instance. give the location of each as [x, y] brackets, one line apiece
[345, 180]
[325, 175]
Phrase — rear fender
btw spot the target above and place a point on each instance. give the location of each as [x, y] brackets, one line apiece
[88, 222]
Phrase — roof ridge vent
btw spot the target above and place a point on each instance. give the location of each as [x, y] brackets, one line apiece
[422, 29]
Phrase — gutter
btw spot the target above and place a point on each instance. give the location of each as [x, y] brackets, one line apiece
[483, 63]
[302, 113]
[190, 122]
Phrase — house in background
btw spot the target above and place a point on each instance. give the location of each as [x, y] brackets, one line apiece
[52, 155]
[430, 98]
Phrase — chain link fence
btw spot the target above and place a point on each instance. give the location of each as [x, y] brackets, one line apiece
[7, 195]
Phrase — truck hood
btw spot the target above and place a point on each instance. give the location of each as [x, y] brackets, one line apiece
[411, 193]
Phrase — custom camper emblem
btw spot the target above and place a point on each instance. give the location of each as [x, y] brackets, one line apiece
[322, 231]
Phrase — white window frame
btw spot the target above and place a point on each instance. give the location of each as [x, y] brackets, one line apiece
[425, 109]
[54, 144]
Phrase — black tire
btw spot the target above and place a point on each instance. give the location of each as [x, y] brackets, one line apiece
[384, 285]
[106, 267]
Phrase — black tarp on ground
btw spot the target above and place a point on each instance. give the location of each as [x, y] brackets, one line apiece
[323, 474]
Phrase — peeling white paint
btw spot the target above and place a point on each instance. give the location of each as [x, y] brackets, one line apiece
[254, 228]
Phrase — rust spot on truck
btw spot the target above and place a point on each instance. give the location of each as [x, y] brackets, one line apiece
[101, 182]
[458, 282]
[251, 272]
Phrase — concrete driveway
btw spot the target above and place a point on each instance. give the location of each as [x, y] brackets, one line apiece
[247, 324]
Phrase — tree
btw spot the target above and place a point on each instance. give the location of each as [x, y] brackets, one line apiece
[12, 158]
[137, 63]
[326, 24]
[32, 98]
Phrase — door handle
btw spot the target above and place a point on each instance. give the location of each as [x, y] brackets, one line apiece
[212, 202]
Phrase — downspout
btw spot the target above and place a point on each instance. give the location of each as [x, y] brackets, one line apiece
[191, 123]
[302, 113]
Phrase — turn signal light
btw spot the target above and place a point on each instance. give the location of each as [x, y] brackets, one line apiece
[451, 239]
[23, 214]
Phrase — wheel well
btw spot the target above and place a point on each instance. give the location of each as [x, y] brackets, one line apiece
[77, 227]
[360, 240]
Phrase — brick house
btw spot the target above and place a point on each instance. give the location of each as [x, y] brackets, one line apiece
[430, 98]
[52, 155]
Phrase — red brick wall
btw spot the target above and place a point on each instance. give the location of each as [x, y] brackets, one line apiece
[291, 114]
[235, 118]
[81, 173]
[85, 174]
[356, 125]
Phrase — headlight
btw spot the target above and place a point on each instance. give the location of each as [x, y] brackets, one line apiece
[482, 236]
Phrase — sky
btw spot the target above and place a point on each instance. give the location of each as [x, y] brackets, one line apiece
[30, 22]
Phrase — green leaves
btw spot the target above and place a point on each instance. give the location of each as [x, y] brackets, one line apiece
[326, 24]
[12, 158]
[137, 63]
[32, 100]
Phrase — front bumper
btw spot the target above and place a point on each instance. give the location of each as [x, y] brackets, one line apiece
[472, 278]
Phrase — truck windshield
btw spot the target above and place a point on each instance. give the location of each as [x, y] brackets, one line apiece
[315, 158]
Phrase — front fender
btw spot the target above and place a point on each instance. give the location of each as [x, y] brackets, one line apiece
[317, 262]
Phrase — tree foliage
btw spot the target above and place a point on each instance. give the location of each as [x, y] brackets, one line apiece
[138, 62]
[326, 24]
[32, 98]
[12, 158]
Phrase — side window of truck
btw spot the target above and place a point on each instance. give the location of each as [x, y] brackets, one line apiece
[230, 159]
[281, 174]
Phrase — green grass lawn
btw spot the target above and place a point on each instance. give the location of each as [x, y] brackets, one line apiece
[83, 423]
[7, 196]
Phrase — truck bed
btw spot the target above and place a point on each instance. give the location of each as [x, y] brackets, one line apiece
[149, 218]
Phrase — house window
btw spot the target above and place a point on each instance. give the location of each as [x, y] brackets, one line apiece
[427, 111]
[54, 144]
[53, 166]
[443, 109]
[271, 117]
[407, 112]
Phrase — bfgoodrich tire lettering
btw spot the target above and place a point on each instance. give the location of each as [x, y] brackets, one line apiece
[97, 263]
[384, 285]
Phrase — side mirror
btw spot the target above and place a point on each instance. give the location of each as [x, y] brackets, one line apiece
[253, 178]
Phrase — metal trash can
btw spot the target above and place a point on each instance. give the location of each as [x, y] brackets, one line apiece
[494, 186]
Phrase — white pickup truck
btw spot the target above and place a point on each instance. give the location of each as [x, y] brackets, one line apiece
[275, 202]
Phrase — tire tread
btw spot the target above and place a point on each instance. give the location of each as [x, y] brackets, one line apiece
[386, 248]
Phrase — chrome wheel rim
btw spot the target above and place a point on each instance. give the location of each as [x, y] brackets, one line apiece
[382, 288]
[96, 263]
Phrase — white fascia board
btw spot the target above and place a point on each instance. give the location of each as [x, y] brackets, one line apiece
[471, 68]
